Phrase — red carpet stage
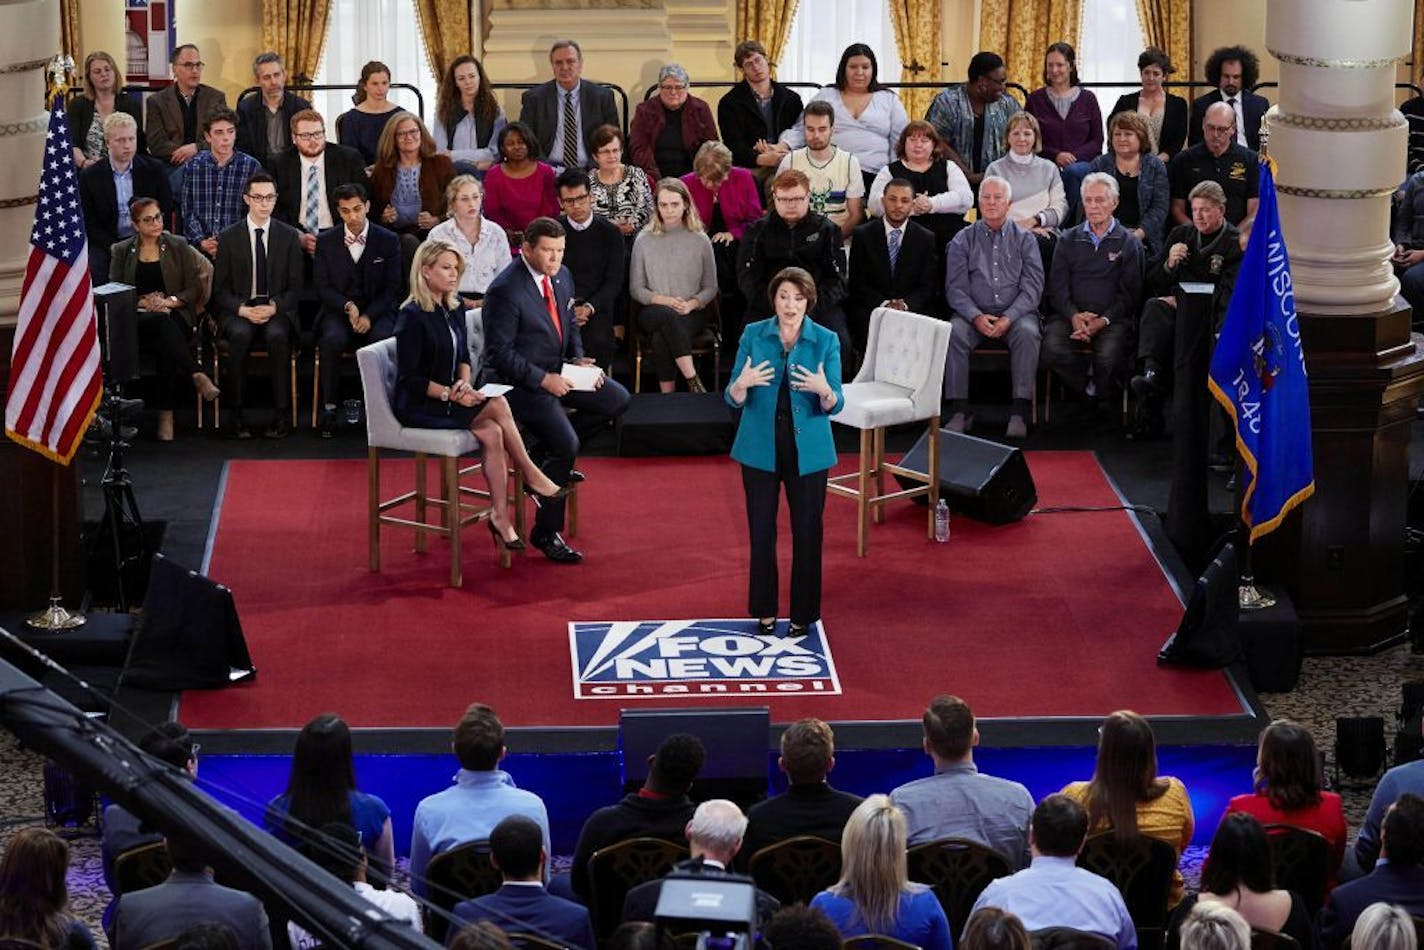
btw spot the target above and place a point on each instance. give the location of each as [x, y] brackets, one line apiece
[1059, 615]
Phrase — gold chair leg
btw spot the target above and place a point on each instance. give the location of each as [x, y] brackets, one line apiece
[934, 475]
[862, 500]
[450, 482]
[637, 368]
[373, 506]
[420, 501]
[878, 514]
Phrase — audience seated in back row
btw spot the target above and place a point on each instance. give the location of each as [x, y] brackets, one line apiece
[756, 111]
[837, 184]
[668, 129]
[175, 116]
[264, 121]
[361, 127]
[308, 175]
[564, 112]
[468, 118]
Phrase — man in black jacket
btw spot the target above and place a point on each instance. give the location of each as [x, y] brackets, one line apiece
[809, 806]
[904, 279]
[792, 235]
[308, 175]
[596, 255]
[106, 212]
[753, 139]
[264, 121]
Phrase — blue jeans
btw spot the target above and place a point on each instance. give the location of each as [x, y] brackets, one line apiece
[1073, 176]
[1411, 285]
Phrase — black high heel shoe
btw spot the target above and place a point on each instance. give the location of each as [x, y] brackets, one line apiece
[500, 541]
[563, 492]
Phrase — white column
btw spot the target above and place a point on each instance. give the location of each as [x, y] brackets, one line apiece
[1339, 146]
[29, 37]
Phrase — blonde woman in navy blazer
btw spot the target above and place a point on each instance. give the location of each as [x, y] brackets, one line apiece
[788, 387]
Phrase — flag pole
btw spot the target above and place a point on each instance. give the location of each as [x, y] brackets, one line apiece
[55, 616]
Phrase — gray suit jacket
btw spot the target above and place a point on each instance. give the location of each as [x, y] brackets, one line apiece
[188, 898]
[539, 109]
[163, 123]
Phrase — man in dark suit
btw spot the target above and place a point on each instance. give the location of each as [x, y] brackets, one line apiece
[174, 116]
[308, 175]
[1397, 879]
[809, 806]
[714, 836]
[1233, 70]
[522, 904]
[565, 111]
[597, 257]
[106, 218]
[256, 279]
[358, 276]
[530, 334]
[264, 121]
[906, 282]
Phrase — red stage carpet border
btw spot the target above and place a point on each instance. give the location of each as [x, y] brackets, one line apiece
[1057, 615]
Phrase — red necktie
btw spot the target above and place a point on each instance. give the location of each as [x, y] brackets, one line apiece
[553, 308]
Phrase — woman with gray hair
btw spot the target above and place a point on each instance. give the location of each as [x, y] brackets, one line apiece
[1384, 927]
[668, 128]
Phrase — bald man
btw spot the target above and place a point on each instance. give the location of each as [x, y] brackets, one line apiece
[1219, 158]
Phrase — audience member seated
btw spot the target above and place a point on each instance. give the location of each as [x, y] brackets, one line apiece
[358, 273]
[101, 98]
[1165, 114]
[941, 192]
[1215, 927]
[1223, 161]
[1406, 778]
[1143, 195]
[1288, 788]
[1207, 250]
[1408, 242]
[1035, 182]
[837, 185]
[874, 895]
[215, 182]
[533, 292]
[483, 794]
[176, 114]
[1238, 874]
[668, 129]
[674, 277]
[621, 193]
[264, 121]
[802, 927]
[895, 262]
[809, 806]
[518, 848]
[958, 801]
[1233, 70]
[336, 848]
[1397, 878]
[1413, 111]
[408, 180]
[660, 809]
[993, 929]
[308, 176]
[714, 837]
[321, 789]
[727, 200]
[214, 936]
[519, 188]
[993, 283]
[189, 896]
[468, 119]
[1385, 927]
[973, 117]
[34, 901]
[641, 935]
[1094, 291]
[1053, 891]
[361, 126]
[481, 936]
[256, 280]
[109, 183]
[482, 243]
[792, 235]
[868, 117]
[597, 258]
[565, 111]
[164, 272]
[1125, 795]
[1068, 116]
[753, 113]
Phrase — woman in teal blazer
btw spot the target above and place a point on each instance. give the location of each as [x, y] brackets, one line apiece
[787, 388]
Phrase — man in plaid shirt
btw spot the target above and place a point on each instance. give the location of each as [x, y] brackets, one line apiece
[214, 183]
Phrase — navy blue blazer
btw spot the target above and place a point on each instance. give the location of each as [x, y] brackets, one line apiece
[370, 283]
[530, 909]
[1388, 883]
[755, 445]
[424, 353]
[521, 344]
[1254, 107]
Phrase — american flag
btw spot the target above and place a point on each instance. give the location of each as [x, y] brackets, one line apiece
[55, 379]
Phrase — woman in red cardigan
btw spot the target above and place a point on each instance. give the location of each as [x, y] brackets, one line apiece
[1288, 788]
[668, 128]
[727, 200]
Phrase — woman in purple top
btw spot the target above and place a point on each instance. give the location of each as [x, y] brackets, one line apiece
[520, 188]
[1069, 117]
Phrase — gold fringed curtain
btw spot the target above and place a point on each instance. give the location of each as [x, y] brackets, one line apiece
[917, 34]
[445, 25]
[1020, 31]
[766, 21]
[1167, 24]
[296, 31]
[69, 31]
[1416, 61]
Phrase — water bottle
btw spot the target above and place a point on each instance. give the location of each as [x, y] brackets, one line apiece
[942, 521]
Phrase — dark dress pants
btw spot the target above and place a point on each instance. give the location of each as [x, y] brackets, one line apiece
[670, 335]
[278, 335]
[1155, 332]
[167, 336]
[333, 336]
[806, 502]
[559, 436]
[1108, 357]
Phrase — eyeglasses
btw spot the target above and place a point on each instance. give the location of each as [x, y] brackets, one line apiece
[668, 87]
[262, 199]
[310, 136]
[149, 219]
[408, 134]
[790, 199]
[198, 65]
[1220, 129]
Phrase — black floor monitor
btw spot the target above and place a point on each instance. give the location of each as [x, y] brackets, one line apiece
[736, 741]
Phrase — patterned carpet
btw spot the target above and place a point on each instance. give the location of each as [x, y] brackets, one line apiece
[1329, 687]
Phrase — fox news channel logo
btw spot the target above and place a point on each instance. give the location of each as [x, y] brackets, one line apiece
[709, 658]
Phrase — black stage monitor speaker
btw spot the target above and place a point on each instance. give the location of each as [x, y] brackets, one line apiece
[117, 308]
[985, 480]
[1208, 635]
[736, 741]
[189, 637]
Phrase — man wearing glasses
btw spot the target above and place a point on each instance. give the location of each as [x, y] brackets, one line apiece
[565, 111]
[973, 116]
[308, 175]
[1219, 158]
[256, 279]
[108, 185]
[597, 258]
[669, 128]
[174, 116]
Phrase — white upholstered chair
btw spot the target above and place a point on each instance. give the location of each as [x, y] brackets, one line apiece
[900, 382]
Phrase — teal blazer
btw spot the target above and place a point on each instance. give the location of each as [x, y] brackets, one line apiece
[755, 444]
